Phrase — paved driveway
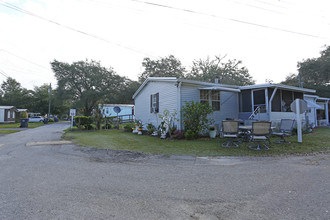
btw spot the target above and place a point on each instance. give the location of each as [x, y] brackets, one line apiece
[68, 182]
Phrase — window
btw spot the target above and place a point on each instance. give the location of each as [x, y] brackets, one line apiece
[154, 103]
[210, 97]
[204, 96]
[215, 97]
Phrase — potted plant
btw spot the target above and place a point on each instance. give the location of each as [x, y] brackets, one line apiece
[136, 127]
[139, 130]
[212, 131]
[163, 130]
[139, 127]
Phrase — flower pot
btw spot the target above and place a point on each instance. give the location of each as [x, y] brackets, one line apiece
[163, 135]
[139, 131]
[135, 130]
[213, 133]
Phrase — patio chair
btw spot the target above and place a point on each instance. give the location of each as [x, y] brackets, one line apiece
[260, 135]
[230, 133]
[286, 128]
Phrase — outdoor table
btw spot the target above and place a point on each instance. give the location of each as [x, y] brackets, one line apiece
[246, 130]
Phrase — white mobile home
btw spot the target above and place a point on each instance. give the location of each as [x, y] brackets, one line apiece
[269, 102]
[126, 111]
[157, 94]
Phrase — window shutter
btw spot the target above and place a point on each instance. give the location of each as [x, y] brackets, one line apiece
[157, 102]
[151, 110]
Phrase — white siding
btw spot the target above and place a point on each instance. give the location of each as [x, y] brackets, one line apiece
[228, 102]
[167, 100]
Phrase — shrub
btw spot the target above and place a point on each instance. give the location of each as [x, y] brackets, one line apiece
[128, 127]
[84, 122]
[23, 114]
[167, 123]
[107, 123]
[178, 134]
[189, 135]
[106, 126]
[195, 117]
[151, 128]
[98, 118]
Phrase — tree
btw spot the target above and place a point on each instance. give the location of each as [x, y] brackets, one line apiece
[228, 72]
[314, 73]
[13, 94]
[40, 102]
[87, 83]
[126, 92]
[164, 67]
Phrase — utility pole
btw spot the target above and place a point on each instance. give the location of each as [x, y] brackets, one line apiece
[301, 84]
[49, 91]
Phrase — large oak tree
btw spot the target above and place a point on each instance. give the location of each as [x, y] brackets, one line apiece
[163, 67]
[87, 83]
[227, 71]
[313, 73]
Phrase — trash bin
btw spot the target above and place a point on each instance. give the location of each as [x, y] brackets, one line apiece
[24, 122]
[46, 121]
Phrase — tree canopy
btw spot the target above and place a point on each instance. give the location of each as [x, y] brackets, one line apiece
[228, 72]
[314, 73]
[164, 67]
[87, 83]
[14, 94]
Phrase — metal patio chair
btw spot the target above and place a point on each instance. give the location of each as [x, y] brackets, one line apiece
[286, 128]
[230, 133]
[260, 135]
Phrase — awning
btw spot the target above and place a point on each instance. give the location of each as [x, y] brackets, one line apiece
[220, 89]
[311, 104]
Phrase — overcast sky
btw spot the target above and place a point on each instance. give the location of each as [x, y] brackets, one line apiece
[269, 36]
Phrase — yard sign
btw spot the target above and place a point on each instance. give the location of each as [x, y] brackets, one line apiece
[72, 114]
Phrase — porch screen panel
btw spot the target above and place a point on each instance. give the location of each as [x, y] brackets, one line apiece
[287, 99]
[259, 100]
[276, 103]
[246, 101]
[298, 95]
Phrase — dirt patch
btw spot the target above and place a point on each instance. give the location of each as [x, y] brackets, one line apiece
[106, 155]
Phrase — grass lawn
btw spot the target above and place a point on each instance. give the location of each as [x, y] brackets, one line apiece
[8, 131]
[17, 125]
[318, 140]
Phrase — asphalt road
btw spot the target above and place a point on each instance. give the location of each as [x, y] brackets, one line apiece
[64, 181]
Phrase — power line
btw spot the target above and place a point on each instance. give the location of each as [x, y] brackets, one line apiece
[16, 8]
[226, 18]
[4, 74]
[6, 51]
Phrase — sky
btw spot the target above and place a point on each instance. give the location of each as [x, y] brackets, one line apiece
[269, 36]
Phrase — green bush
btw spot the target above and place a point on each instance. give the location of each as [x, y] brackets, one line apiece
[84, 122]
[195, 117]
[151, 128]
[23, 115]
[189, 135]
[128, 127]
